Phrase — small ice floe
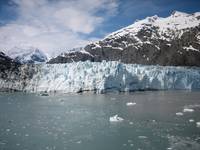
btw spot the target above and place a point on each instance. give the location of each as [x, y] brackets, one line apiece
[179, 114]
[113, 98]
[142, 137]
[130, 141]
[198, 124]
[7, 130]
[79, 142]
[130, 104]
[188, 110]
[131, 123]
[191, 120]
[116, 118]
[153, 121]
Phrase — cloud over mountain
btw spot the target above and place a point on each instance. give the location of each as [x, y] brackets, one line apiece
[54, 24]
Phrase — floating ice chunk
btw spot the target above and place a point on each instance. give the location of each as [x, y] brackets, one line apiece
[113, 98]
[7, 130]
[79, 142]
[191, 120]
[198, 124]
[188, 110]
[116, 118]
[131, 123]
[130, 104]
[179, 114]
[142, 137]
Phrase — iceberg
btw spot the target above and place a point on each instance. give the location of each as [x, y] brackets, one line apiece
[100, 77]
[188, 110]
[116, 118]
[130, 104]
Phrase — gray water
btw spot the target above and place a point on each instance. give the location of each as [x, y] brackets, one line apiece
[81, 121]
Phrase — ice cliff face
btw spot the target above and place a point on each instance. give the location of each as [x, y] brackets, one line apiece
[170, 41]
[101, 77]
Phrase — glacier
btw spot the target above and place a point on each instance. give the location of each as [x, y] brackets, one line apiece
[100, 77]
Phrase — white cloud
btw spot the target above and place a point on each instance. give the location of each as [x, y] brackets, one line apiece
[55, 24]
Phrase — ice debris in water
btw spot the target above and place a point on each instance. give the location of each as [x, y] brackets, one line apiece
[130, 104]
[142, 137]
[131, 123]
[116, 118]
[179, 114]
[188, 110]
[198, 124]
[191, 120]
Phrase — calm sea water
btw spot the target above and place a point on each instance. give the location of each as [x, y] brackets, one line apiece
[81, 122]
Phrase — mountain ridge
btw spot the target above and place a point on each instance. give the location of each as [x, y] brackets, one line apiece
[27, 55]
[173, 41]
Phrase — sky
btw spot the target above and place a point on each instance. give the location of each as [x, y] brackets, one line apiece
[55, 26]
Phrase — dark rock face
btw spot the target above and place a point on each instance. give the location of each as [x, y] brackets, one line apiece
[71, 57]
[148, 46]
[7, 64]
[13, 72]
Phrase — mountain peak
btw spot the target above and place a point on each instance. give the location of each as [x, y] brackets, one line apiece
[178, 13]
[177, 21]
[27, 55]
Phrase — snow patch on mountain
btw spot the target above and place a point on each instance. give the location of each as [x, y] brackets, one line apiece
[191, 48]
[163, 28]
[176, 21]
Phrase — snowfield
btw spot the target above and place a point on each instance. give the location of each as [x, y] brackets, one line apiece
[105, 76]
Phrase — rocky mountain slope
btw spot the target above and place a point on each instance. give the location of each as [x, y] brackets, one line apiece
[6, 64]
[28, 55]
[14, 73]
[173, 41]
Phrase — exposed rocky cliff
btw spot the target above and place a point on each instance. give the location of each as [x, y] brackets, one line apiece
[13, 75]
[173, 41]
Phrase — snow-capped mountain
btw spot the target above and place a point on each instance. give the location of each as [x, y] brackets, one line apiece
[154, 41]
[29, 55]
[174, 40]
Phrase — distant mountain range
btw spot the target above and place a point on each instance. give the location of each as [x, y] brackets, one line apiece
[174, 41]
[28, 55]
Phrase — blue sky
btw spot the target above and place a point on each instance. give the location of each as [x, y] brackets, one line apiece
[57, 25]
